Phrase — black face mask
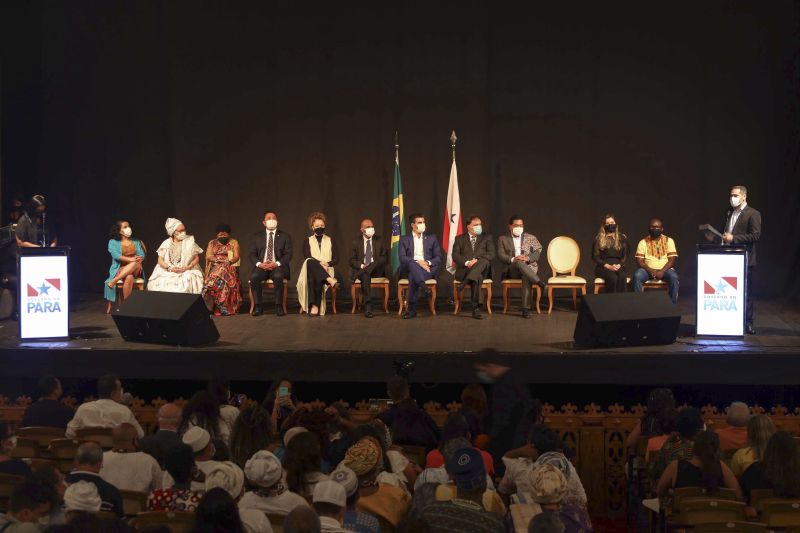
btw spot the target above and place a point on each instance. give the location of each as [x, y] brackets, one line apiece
[223, 240]
[319, 232]
[611, 228]
[656, 233]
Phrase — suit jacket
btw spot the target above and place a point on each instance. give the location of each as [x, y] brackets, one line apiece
[159, 444]
[430, 247]
[379, 255]
[282, 249]
[462, 252]
[746, 231]
[530, 247]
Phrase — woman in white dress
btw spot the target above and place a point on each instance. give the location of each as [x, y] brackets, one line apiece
[178, 268]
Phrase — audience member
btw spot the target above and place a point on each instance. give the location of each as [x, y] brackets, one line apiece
[81, 497]
[280, 402]
[734, 436]
[28, 506]
[88, 463]
[455, 425]
[251, 433]
[52, 477]
[400, 471]
[302, 519]
[475, 408]
[270, 494]
[167, 437]
[221, 390]
[440, 475]
[354, 520]
[229, 476]
[180, 465]
[549, 490]
[125, 467]
[659, 402]
[10, 465]
[203, 410]
[387, 502]
[203, 449]
[410, 424]
[760, 429]
[779, 470]
[317, 421]
[465, 512]
[546, 523]
[679, 445]
[107, 411]
[667, 423]
[330, 503]
[48, 411]
[217, 511]
[703, 469]
[302, 462]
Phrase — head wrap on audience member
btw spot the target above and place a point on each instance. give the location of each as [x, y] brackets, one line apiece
[363, 456]
[263, 469]
[398, 462]
[548, 484]
[452, 446]
[171, 225]
[196, 438]
[556, 459]
[291, 433]
[467, 469]
[226, 475]
[82, 496]
[328, 491]
[346, 478]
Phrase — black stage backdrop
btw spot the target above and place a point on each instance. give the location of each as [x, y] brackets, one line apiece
[215, 111]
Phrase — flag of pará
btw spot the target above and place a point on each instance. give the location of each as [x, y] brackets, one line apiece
[452, 218]
[398, 218]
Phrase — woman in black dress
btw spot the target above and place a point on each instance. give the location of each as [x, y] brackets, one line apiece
[609, 253]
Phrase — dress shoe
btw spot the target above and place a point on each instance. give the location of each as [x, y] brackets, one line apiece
[750, 329]
[279, 311]
[542, 285]
[257, 311]
[368, 311]
[409, 314]
[526, 313]
[476, 313]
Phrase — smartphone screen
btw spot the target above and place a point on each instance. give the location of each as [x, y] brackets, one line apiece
[283, 391]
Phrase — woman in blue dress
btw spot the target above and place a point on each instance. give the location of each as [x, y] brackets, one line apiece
[127, 255]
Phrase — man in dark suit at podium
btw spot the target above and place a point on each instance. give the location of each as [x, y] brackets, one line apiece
[270, 253]
[743, 227]
[473, 252]
[420, 257]
[367, 260]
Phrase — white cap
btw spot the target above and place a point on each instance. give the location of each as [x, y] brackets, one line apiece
[346, 478]
[291, 433]
[226, 475]
[263, 469]
[196, 438]
[328, 491]
[82, 496]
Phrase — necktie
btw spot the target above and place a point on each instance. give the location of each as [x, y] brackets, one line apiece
[368, 253]
[473, 239]
[270, 248]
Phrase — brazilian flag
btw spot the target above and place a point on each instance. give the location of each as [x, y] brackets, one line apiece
[398, 217]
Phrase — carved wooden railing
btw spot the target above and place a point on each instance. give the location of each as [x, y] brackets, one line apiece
[595, 434]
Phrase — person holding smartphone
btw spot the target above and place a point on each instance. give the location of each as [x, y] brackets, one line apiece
[280, 402]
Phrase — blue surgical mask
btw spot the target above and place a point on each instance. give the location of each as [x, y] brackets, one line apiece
[477, 229]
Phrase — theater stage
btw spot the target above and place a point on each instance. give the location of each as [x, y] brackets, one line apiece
[351, 348]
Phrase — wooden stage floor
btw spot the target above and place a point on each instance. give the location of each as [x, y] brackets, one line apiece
[347, 347]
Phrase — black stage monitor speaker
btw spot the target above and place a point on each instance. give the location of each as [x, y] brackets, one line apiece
[165, 318]
[627, 319]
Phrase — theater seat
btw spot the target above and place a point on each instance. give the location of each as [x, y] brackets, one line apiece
[402, 290]
[563, 254]
[375, 283]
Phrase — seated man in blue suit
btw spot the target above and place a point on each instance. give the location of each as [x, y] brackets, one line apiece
[420, 257]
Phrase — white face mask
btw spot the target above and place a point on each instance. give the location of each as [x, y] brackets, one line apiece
[127, 232]
[10, 444]
[517, 231]
[421, 227]
[180, 236]
[272, 224]
[735, 201]
[369, 232]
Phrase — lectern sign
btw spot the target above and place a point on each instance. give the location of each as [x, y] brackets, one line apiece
[44, 295]
[720, 293]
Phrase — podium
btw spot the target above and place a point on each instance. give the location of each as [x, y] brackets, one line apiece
[721, 290]
[43, 292]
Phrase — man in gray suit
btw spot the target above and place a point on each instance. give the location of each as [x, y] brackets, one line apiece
[473, 252]
[520, 251]
[743, 227]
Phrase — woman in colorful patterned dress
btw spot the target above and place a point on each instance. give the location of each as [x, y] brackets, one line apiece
[221, 288]
[127, 255]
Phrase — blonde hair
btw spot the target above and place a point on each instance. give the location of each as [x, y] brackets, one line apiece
[760, 429]
[316, 215]
[608, 240]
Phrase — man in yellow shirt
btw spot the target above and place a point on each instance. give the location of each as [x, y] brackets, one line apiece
[656, 255]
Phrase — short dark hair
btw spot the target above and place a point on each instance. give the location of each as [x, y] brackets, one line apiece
[742, 189]
[512, 218]
[223, 227]
[397, 387]
[179, 462]
[47, 384]
[473, 217]
[29, 495]
[546, 440]
[689, 422]
[301, 519]
[267, 212]
[546, 523]
[414, 216]
[326, 509]
[106, 384]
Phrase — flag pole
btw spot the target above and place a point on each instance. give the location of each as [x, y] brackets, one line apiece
[453, 140]
[396, 146]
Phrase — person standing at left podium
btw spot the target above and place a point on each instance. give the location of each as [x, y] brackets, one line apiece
[743, 226]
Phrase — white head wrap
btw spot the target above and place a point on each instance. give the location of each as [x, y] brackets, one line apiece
[82, 496]
[263, 469]
[171, 225]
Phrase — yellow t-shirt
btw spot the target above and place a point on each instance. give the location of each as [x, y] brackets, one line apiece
[656, 252]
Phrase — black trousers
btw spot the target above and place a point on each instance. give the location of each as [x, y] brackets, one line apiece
[258, 275]
[317, 276]
[615, 281]
[474, 278]
[365, 276]
[748, 310]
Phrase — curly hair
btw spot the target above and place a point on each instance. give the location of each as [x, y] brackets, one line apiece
[316, 215]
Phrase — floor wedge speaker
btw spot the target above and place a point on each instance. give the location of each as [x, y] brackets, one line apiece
[165, 318]
[626, 319]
